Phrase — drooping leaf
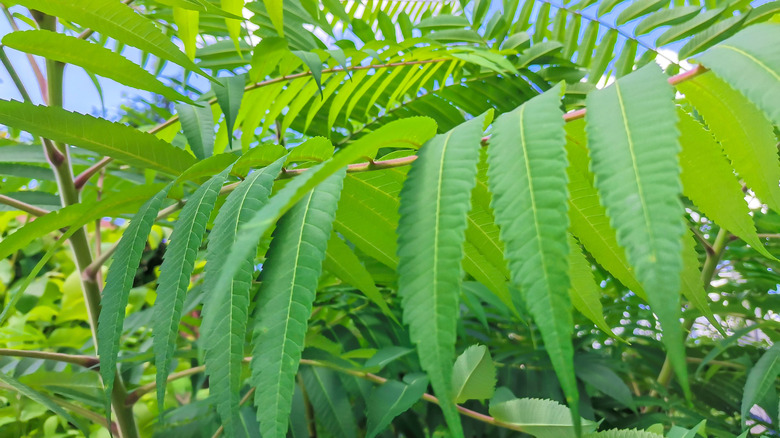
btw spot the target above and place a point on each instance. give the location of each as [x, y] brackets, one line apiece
[234, 7]
[760, 379]
[706, 171]
[175, 271]
[414, 130]
[226, 311]
[37, 397]
[91, 57]
[118, 21]
[541, 418]
[474, 375]
[275, 10]
[601, 377]
[229, 97]
[691, 285]
[187, 24]
[342, 262]
[315, 66]
[330, 402]
[198, 126]
[750, 62]
[584, 292]
[603, 56]
[742, 129]
[632, 137]
[392, 399]
[99, 135]
[288, 285]
[527, 176]
[119, 280]
[431, 231]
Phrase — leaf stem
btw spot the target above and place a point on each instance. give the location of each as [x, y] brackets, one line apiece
[33, 64]
[23, 206]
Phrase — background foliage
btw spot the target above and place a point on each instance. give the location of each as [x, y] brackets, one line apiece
[495, 261]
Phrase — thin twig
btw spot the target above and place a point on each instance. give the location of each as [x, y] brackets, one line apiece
[23, 206]
[75, 359]
[81, 180]
[14, 76]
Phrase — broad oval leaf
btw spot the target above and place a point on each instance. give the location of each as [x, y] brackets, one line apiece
[632, 137]
[92, 57]
[99, 135]
[284, 302]
[431, 231]
[474, 375]
[541, 418]
[527, 176]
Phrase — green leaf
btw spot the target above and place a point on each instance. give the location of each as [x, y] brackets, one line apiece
[275, 10]
[234, 7]
[527, 177]
[712, 35]
[542, 418]
[229, 99]
[37, 397]
[585, 48]
[589, 221]
[632, 136]
[118, 21]
[330, 402]
[91, 57]
[760, 379]
[119, 280]
[341, 261]
[584, 293]
[401, 133]
[639, 8]
[198, 126]
[625, 62]
[607, 5]
[225, 313]
[750, 62]
[288, 285]
[431, 231]
[666, 17]
[392, 399]
[112, 139]
[474, 375]
[266, 57]
[699, 22]
[175, 272]
[603, 56]
[187, 24]
[312, 60]
[601, 377]
[77, 215]
[705, 170]
[742, 129]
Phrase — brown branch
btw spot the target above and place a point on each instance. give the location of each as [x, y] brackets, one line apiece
[81, 180]
[23, 206]
[75, 359]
